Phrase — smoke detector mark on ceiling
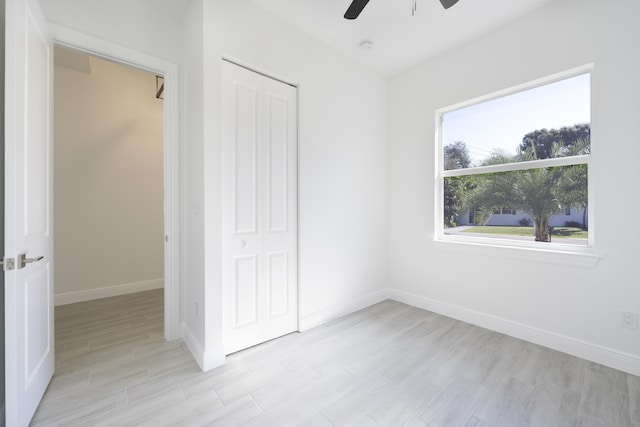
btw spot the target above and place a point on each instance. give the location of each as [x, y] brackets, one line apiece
[366, 44]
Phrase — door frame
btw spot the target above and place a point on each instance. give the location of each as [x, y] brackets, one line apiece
[171, 153]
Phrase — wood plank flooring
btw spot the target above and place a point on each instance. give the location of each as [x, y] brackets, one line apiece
[387, 365]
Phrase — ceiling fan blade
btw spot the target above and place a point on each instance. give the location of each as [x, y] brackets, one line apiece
[355, 9]
[448, 3]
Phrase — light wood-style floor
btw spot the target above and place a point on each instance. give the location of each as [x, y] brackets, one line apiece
[387, 365]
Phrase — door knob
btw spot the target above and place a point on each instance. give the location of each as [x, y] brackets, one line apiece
[22, 260]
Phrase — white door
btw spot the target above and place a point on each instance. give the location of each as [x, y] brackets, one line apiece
[29, 342]
[259, 132]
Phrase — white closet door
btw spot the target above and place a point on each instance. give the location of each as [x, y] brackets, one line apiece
[259, 208]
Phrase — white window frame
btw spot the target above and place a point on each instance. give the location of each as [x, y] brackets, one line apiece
[552, 252]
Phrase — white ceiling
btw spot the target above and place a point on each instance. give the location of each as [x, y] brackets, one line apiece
[171, 9]
[400, 40]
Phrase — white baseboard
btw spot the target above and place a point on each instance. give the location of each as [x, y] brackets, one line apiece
[109, 291]
[316, 319]
[585, 350]
[206, 359]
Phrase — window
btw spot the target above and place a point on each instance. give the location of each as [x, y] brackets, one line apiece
[513, 166]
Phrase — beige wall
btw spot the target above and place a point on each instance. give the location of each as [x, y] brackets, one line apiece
[108, 187]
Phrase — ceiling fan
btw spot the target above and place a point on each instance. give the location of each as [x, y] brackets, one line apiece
[357, 5]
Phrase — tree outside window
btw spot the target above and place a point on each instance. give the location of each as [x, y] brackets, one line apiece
[537, 176]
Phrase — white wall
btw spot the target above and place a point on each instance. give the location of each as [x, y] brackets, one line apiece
[573, 308]
[135, 24]
[108, 182]
[192, 253]
[342, 169]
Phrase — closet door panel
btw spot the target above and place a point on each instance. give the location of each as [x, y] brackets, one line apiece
[259, 208]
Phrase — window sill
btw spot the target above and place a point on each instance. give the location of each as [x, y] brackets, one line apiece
[551, 254]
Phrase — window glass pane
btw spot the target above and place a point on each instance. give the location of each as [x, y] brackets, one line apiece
[544, 122]
[537, 203]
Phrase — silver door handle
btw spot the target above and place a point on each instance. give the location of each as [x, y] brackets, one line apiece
[23, 260]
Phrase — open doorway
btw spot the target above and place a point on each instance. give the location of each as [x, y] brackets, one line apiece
[111, 55]
[108, 179]
[108, 194]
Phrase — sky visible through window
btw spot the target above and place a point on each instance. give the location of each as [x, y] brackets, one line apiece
[501, 123]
